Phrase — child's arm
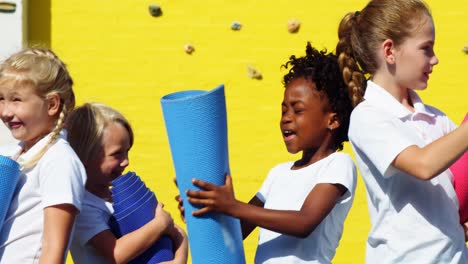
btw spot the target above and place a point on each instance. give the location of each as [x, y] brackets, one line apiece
[58, 223]
[319, 202]
[427, 162]
[246, 226]
[131, 245]
[181, 246]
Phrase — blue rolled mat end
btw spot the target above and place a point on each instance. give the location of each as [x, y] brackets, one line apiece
[196, 125]
[9, 175]
[134, 212]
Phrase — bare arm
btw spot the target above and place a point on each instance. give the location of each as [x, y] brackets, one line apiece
[58, 223]
[180, 245]
[248, 227]
[319, 202]
[133, 244]
[428, 162]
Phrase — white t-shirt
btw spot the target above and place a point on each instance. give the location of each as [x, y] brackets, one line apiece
[58, 178]
[413, 221]
[93, 219]
[286, 189]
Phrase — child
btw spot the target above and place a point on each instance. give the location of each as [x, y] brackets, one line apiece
[302, 205]
[35, 98]
[102, 137]
[403, 146]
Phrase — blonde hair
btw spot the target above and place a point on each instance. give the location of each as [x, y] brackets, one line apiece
[48, 75]
[86, 125]
[361, 32]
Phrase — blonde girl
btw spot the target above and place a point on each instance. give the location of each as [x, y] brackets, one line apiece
[102, 138]
[403, 146]
[35, 98]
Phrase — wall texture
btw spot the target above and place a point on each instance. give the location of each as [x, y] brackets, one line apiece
[120, 55]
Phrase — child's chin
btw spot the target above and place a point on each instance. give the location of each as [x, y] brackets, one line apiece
[292, 151]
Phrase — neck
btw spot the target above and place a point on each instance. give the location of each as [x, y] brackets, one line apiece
[400, 93]
[312, 155]
[100, 191]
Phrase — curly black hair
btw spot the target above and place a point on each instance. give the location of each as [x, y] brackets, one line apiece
[322, 68]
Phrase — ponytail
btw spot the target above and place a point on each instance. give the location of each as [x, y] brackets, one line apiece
[353, 76]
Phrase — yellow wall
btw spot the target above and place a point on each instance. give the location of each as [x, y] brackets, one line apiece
[120, 55]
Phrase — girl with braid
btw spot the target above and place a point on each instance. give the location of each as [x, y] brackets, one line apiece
[35, 98]
[403, 146]
[302, 205]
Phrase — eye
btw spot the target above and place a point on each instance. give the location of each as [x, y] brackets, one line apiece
[16, 99]
[298, 110]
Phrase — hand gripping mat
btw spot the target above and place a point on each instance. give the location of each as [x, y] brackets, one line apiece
[460, 178]
[9, 175]
[197, 130]
[134, 206]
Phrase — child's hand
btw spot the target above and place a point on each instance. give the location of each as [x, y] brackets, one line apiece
[180, 206]
[163, 219]
[215, 198]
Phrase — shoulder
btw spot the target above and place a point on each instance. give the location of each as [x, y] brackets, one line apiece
[367, 113]
[281, 167]
[339, 168]
[60, 157]
[62, 152]
[342, 158]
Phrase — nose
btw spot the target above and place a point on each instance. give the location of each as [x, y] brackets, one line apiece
[5, 111]
[286, 117]
[125, 162]
[434, 60]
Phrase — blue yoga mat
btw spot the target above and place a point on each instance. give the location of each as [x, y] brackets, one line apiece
[197, 130]
[134, 206]
[9, 175]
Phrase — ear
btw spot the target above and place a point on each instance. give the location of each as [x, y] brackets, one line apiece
[53, 104]
[388, 51]
[333, 122]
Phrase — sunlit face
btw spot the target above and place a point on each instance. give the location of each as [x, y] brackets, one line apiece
[415, 57]
[25, 113]
[112, 160]
[304, 120]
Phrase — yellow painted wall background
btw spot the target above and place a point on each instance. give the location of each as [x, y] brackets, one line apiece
[120, 55]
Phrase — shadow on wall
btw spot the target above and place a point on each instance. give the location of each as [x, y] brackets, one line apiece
[39, 23]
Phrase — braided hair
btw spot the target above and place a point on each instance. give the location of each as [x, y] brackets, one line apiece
[43, 70]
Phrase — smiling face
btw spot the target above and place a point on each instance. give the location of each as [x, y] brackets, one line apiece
[111, 159]
[415, 57]
[27, 115]
[304, 120]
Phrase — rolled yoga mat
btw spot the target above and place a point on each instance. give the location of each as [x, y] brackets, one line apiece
[9, 175]
[134, 206]
[197, 130]
[460, 180]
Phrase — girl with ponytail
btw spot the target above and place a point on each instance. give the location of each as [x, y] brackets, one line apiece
[403, 147]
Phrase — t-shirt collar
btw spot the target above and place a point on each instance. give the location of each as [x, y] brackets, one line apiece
[379, 97]
[36, 148]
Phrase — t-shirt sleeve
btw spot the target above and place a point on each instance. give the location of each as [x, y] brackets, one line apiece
[341, 170]
[62, 179]
[264, 191]
[89, 223]
[380, 137]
